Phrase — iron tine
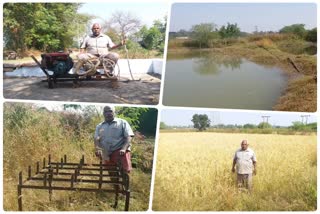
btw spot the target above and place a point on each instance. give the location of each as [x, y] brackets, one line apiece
[38, 167]
[72, 180]
[29, 172]
[49, 160]
[44, 163]
[57, 168]
[45, 179]
[65, 158]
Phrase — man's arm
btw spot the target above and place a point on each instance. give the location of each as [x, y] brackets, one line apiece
[254, 167]
[119, 45]
[234, 164]
[125, 145]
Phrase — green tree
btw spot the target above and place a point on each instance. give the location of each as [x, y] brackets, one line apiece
[163, 125]
[203, 32]
[249, 126]
[296, 29]
[41, 25]
[264, 125]
[154, 37]
[298, 126]
[229, 31]
[312, 35]
[200, 121]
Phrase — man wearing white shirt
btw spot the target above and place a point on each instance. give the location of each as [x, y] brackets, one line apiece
[245, 163]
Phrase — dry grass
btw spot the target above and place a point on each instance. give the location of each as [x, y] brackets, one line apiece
[193, 173]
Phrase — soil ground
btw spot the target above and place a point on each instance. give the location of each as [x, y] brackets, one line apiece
[145, 90]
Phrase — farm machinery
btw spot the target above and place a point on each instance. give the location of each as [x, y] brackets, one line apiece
[60, 67]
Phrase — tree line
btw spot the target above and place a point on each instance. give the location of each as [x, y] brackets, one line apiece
[201, 122]
[203, 33]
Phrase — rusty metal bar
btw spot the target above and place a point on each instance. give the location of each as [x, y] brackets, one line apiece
[88, 168]
[50, 183]
[49, 160]
[70, 189]
[85, 164]
[38, 167]
[126, 206]
[61, 163]
[65, 158]
[29, 172]
[101, 174]
[45, 179]
[71, 186]
[57, 168]
[44, 163]
[83, 180]
[20, 192]
[84, 174]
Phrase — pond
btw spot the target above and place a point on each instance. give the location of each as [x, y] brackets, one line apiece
[203, 79]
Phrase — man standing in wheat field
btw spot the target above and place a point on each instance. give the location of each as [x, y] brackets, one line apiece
[246, 164]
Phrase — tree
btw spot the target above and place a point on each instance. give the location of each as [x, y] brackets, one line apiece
[154, 37]
[202, 33]
[41, 25]
[163, 125]
[264, 125]
[296, 29]
[249, 126]
[297, 126]
[124, 23]
[231, 31]
[200, 121]
[312, 35]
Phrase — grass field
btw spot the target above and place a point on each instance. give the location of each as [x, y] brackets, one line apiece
[193, 173]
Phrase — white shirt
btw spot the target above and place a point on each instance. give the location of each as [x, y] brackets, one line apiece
[244, 161]
[98, 44]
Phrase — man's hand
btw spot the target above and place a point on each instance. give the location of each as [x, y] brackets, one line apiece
[233, 170]
[98, 153]
[122, 152]
[255, 171]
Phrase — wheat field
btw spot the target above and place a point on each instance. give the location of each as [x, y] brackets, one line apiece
[193, 173]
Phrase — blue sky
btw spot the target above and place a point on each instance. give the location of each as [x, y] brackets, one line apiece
[182, 117]
[146, 11]
[266, 16]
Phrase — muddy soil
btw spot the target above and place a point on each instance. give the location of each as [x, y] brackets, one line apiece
[145, 90]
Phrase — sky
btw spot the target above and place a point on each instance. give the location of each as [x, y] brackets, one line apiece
[146, 11]
[182, 117]
[266, 16]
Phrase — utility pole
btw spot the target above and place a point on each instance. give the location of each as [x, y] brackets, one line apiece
[265, 118]
[306, 118]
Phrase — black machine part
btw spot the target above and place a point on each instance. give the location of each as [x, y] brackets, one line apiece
[60, 63]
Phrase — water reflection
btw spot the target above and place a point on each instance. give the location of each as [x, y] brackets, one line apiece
[212, 63]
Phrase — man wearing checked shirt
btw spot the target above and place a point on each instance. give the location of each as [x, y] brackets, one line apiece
[246, 163]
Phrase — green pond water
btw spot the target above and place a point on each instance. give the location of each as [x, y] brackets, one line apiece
[214, 81]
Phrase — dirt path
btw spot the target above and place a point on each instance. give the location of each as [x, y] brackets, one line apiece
[144, 91]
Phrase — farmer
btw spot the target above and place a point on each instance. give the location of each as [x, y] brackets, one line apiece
[246, 162]
[97, 46]
[112, 139]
